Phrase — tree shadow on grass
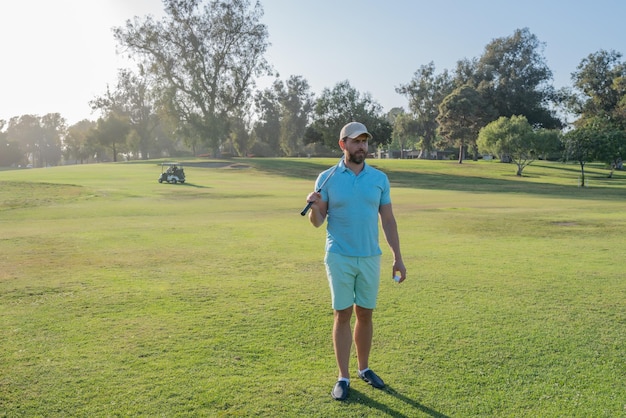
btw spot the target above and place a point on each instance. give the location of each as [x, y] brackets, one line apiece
[309, 170]
[360, 398]
[197, 186]
[302, 169]
[491, 185]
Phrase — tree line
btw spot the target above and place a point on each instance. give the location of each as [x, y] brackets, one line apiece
[194, 90]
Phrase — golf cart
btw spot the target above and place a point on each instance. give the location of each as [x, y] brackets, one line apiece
[174, 173]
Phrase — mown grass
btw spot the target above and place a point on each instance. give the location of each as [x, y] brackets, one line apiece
[120, 296]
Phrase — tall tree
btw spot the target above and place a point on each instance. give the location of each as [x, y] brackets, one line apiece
[425, 93]
[284, 111]
[240, 137]
[55, 128]
[204, 58]
[134, 98]
[599, 84]
[598, 99]
[75, 142]
[39, 137]
[405, 131]
[461, 116]
[296, 104]
[342, 104]
[10, 152]
[393, 113]
[110, 133]
[513, 75]
[608, 137]
[267, 125]
[26, 131]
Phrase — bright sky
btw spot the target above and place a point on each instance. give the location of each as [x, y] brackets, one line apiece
[58, 55]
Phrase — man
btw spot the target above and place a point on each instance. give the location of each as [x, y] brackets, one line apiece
[352, 200]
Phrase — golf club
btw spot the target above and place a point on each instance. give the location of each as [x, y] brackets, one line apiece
[308, 206]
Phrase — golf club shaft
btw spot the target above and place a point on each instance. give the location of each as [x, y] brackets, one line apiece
[308, 205]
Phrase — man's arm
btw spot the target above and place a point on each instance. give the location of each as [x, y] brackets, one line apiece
[319, 208]
[390, 228]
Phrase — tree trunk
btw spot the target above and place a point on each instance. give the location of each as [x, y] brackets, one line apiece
[582, 174]
[461, 153]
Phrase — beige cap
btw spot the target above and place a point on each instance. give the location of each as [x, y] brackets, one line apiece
[354, 129]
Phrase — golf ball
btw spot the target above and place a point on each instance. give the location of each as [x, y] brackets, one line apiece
[396, 278]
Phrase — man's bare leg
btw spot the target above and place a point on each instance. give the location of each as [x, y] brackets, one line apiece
[342, 340]
[363, 332]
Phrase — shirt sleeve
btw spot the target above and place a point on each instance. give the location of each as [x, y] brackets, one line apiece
[385, 197]
[324, 191]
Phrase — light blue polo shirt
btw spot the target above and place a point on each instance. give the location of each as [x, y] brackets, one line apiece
[353, 204]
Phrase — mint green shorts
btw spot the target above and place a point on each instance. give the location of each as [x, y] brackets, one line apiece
[353, 280]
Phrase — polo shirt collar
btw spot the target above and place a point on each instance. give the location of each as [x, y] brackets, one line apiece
[344, 167]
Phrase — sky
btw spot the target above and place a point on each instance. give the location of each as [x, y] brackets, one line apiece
[58, 55]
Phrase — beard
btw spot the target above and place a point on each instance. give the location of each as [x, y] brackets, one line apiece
[357, 157]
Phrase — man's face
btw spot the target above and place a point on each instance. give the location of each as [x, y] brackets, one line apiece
[356, 148]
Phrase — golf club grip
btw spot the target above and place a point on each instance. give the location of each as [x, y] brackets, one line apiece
[306, 208]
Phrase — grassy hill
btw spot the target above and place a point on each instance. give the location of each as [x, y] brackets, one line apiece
[120, 296]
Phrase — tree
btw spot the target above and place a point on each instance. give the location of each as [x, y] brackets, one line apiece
[393, 114]
[111, 133]
[10, 152]
[296, 103]
[580, 145]
[39, 137]
[405, 131]
[548, 142]
[599, 101]
[425, 93]
[267, 126]
[514, 137]
[240, 138]
[608, 138]
[133, 98]
[76, 146]
[343, 104]
[313, 136]
[599, 84]
[54, 126]
[26, 131]
[512, 75]
[461, 116]
[204, 58]
[284, 110]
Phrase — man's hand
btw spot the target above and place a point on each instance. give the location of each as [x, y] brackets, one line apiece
[398, 267]
[313, 197]
[318, 209]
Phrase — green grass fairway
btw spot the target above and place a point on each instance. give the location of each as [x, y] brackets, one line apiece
[120, 296]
